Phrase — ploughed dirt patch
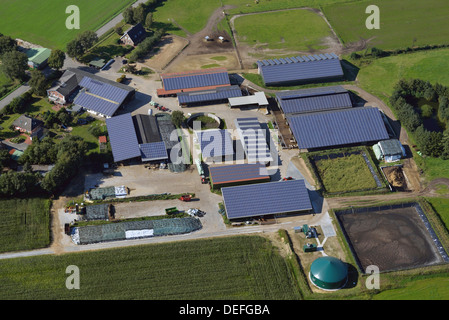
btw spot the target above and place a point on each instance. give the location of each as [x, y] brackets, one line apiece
[226, 60]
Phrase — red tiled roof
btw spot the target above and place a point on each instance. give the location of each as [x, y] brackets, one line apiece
[102, 139]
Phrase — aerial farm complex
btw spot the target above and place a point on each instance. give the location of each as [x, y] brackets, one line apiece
[277, 169]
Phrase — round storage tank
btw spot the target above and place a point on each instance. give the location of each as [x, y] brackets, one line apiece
[328, 273]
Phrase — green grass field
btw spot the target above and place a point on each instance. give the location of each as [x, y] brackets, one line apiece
[242, 267]
[196, 13]
[436, 288]
[24, 224]
[44, 23]
[441, 206]
[308, 34]
[402, 23]
[345, 174]
[380, 76]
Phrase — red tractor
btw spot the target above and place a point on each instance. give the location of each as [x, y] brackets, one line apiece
[186, 197]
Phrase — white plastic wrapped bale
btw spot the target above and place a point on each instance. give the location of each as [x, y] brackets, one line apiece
[120, 192]
[133, 234]
[75, 235]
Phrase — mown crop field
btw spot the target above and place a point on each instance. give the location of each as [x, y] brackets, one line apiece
[309, 31]
[402, 23]
[242, 267]
[24, 224]
[349, 173]
[44, 22]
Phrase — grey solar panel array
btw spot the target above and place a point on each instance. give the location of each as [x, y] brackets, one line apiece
[300, 68]
[266, 198]
[122, 137]
[215, 143]
[211, 95]
[100, 97]
[254, 140]
[187, 81]
[96, 104]
[153, 151]
[336, 128]
[238, 173]
[314, 99]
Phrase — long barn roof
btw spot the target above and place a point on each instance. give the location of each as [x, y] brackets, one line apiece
[266, 198]
[336, 128]
[301, 68]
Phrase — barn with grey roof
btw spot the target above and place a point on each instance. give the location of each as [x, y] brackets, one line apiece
[313, 100]
[338, 128]
[263, 199]
[300, 69]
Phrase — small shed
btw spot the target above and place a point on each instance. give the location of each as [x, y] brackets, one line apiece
[389, 150]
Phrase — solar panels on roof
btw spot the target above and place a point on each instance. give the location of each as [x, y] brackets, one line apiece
[212, 95]
[314, 99]
[122, 137]
[253, 139]
[302, 69]
[153, 151]
[195, 79]
[238, 173]
[104, 90]
[96, 104]
[266, 198]
[336, 128]
[215, 143]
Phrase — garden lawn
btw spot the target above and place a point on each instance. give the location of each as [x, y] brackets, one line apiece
[24, 224]
[295, 30]
[44, 23]
[345, 174]
[230, 268]
[402, 23]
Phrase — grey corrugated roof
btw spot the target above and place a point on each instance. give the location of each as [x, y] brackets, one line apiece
[147, 128]
[315, 99]
[266, 198]
[391, 147]
[306, 68]
[217, 94]
[122, 137]
[199, 79]
[342, 127]
[215, 143]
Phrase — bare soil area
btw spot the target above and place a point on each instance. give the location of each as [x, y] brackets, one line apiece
[391, 239]
[165, 52]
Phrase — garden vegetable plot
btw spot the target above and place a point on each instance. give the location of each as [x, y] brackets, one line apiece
[391, 237]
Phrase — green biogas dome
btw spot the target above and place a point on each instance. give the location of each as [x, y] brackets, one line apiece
[328, 273]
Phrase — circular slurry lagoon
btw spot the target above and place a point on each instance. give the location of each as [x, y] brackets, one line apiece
[391, 237]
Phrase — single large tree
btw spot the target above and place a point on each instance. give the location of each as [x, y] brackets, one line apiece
[149, 20]
[38, 83]
[128, 15]
[77, 47]
[56, 59]
[14, 64]
[7, 44]
[139, 14]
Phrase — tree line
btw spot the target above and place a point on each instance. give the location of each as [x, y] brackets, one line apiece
[430, 142]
